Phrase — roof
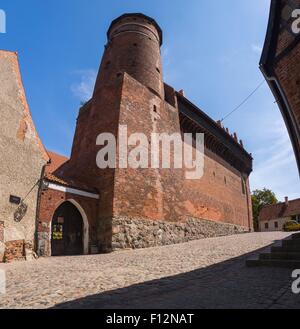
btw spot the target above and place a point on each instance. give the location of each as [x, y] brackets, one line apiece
[280, 210]
[232, 151]
[151, 20]
[57, 161]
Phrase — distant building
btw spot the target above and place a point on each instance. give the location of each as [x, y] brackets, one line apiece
[273, 217]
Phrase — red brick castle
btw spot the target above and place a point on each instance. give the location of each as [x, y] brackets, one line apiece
[71, 206]
[84, 209]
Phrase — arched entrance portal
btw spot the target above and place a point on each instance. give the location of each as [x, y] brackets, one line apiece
[67, 231]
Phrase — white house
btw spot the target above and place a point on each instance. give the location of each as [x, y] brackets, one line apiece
[273, 217]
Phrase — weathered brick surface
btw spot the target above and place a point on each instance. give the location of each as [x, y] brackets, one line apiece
[14, 250]
[288, 72]
[133, 47]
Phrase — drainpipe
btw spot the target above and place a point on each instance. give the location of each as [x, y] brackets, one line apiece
[38, 205]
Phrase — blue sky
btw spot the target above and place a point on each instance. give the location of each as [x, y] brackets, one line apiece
[211, 50]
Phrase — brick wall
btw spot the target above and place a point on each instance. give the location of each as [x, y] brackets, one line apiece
[288, 73]
[50, 201]
[14, 250]
[166, 194]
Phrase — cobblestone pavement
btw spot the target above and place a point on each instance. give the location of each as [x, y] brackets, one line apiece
[208, 273]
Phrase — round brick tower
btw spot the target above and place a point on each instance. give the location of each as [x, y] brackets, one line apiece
[133, 47]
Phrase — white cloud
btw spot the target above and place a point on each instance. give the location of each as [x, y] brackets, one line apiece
[256, 49]
[275, 165]
[83, 89]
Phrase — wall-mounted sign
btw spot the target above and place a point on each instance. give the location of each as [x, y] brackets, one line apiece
[20, 212]
[14, 199]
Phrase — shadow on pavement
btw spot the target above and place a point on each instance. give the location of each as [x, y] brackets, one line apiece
[229, 284]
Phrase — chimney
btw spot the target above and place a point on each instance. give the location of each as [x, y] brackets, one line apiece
[286, 201]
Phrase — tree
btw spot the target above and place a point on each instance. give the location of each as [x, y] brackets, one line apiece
[261, 198]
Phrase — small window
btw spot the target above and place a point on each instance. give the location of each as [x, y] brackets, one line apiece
[225, 180]
[158, 70]
[155, 108]
[214, 174]
[276, 224]
[266, 226]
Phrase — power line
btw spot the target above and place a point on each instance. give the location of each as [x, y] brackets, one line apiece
[244, 101]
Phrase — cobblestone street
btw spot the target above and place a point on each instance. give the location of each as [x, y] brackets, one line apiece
[208, 273]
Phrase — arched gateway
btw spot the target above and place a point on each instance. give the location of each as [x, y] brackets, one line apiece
[68, 230]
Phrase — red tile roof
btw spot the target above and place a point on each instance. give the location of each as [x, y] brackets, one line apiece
[280, 210]
[56, 162]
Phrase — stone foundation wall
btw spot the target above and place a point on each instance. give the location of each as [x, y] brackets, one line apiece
[141, 233]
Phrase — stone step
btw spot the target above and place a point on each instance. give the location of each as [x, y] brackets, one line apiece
[273, 263]
[291, 243]
[296, 236]
[291, 248]
[280, 255]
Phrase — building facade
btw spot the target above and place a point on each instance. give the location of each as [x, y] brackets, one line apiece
[74, 206]
[23, 158]
[273, 217]
[281, 66]
[137, 208]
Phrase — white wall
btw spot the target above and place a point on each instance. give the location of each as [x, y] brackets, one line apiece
[280, 221]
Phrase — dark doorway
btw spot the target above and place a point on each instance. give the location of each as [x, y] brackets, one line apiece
[67, 231]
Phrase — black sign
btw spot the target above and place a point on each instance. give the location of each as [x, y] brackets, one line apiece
[14, 199]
